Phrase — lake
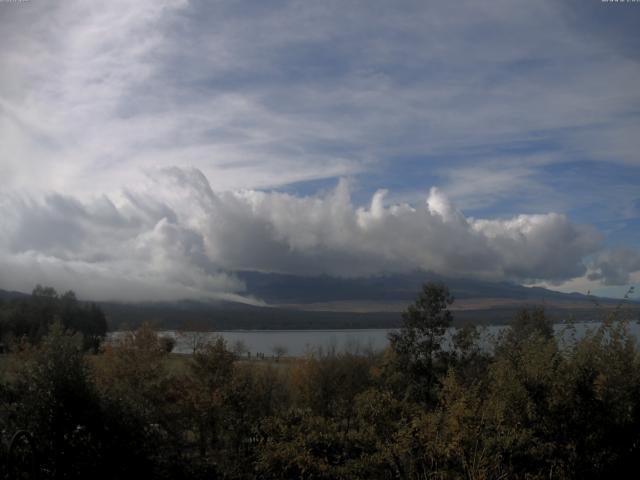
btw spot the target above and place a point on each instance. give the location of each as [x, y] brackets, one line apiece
[300, 342]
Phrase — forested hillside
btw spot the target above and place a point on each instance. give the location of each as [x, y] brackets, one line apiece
[28, 318]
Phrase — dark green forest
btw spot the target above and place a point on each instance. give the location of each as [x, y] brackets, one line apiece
[27, 319]
[527, 407]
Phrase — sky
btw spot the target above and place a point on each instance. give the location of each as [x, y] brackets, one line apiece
[150, 149]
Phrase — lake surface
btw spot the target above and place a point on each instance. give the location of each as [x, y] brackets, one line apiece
[301, 342]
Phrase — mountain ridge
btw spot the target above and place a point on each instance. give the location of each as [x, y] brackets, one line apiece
[275, 288]
[324, 302]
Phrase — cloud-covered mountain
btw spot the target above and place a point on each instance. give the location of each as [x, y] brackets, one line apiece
[179, 239]
[396, 289]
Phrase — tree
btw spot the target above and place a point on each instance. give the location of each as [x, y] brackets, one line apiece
[133, 381]
[95, 327]
[31, 318]
[279, 351]
[327, 382]
[530, 322]
[167, 343]
[417, 347]
[211, 369]
[59, 405]
[467, 357]
[194, 335]
[240, 348]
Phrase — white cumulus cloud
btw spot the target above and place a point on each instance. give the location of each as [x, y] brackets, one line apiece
[179, 238]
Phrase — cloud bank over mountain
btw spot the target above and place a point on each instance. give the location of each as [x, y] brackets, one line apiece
[180, 239]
